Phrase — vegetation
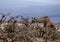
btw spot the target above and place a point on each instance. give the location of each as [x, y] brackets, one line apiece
[12, 30]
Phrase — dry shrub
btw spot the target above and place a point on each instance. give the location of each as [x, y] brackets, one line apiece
[27, 33]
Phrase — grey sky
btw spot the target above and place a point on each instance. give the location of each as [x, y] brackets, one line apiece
[21, 3]
[11, 5]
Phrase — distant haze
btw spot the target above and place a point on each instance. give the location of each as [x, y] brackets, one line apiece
[32, 8]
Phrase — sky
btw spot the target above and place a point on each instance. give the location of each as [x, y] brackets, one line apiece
[7, 5]
[24, 3]
[14, 4]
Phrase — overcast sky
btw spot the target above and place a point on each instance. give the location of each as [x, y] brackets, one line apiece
[21, 3]
[7, 5]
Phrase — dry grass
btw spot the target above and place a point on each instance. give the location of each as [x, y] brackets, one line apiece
[27, 31]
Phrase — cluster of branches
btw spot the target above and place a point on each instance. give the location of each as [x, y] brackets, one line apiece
[27, 33]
